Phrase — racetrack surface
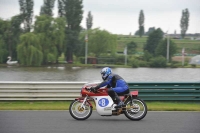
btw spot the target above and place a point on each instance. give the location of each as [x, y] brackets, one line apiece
[62, 122]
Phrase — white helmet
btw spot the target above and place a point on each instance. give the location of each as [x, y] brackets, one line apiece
[105, 72]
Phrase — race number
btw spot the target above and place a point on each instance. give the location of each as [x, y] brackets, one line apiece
[103, 102]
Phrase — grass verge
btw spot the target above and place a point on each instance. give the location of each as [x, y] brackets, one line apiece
[173, 106]
[64, 105]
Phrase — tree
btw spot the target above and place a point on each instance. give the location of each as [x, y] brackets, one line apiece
[61, 10]
[72, 11]
[51, 34]
[15, 30]
[131, 48]
[4, 39]
[26, 11]
[29, 50]
[151, 29]
[175, 32]
[184, 22]
[141, 23]
[47, 7]
[153, 41]
[10, 31]
[3, 50]
[137, 33]
[89, 20]
[147, 56]
[162, 49]
[99, 42]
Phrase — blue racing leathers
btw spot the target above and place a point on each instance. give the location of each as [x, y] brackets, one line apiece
[116, 82]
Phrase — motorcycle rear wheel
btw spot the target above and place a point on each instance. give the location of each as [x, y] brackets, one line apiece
[136, 110]
[79, 113]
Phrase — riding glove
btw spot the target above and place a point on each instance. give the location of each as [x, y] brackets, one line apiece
[93, 89]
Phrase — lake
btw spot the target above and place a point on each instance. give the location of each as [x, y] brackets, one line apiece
[62, 73]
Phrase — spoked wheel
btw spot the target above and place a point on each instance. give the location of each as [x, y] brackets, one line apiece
[135, 110]
[78, 112]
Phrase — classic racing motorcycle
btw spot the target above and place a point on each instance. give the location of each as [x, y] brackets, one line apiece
[81, 108]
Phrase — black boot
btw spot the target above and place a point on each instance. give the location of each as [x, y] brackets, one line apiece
[120, 103]
[115, 97]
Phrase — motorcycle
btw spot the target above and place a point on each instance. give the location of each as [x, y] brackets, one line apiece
[81, 108]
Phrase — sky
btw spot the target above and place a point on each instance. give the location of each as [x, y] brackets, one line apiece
[121, 16]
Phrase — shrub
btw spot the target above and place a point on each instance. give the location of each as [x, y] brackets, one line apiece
[193, 65]
[133, 62]
[158, 62]
[175, 64]
[120, 59]
[143, 63]
[82, 60]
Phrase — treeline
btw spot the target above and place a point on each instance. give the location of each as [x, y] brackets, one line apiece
[184, 24]
[45, 40]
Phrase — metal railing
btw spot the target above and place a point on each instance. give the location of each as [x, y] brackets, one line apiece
[168, 91]
[39, 90]
[42, 91]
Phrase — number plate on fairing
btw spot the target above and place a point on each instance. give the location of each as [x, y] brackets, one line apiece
[103, 102]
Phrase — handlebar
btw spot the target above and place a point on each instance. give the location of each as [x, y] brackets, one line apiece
[88, 89]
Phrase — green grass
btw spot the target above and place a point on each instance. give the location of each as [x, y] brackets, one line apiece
[191, 46]
[23, 105]
[64, 105]
[173, 106]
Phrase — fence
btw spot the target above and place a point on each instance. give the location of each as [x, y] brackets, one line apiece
[175, 91]
[35, 91]
[39, 90]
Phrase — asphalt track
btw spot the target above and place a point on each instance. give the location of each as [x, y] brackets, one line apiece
[62, 122]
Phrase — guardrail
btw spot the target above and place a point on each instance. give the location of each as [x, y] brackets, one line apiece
[41, 91]
[175, 91]
[34, 91]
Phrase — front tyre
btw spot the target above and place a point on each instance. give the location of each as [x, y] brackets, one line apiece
[79, 113]
[135, 110]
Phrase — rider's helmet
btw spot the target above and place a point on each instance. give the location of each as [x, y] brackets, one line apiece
[105, 72]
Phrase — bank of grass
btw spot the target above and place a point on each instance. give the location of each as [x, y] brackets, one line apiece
[173, 106]
[64, 105]
[191, 46]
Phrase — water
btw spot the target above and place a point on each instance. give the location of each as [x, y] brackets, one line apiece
[14, 73]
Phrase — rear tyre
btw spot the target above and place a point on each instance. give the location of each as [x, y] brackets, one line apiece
[79, 113]
[135, 110]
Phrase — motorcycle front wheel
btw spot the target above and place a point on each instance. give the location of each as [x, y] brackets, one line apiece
[135, 110]
[79, 113]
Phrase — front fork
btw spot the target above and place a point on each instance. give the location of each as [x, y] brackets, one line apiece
[82, 105]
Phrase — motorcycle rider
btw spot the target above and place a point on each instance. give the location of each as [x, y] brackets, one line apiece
[116, 84]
